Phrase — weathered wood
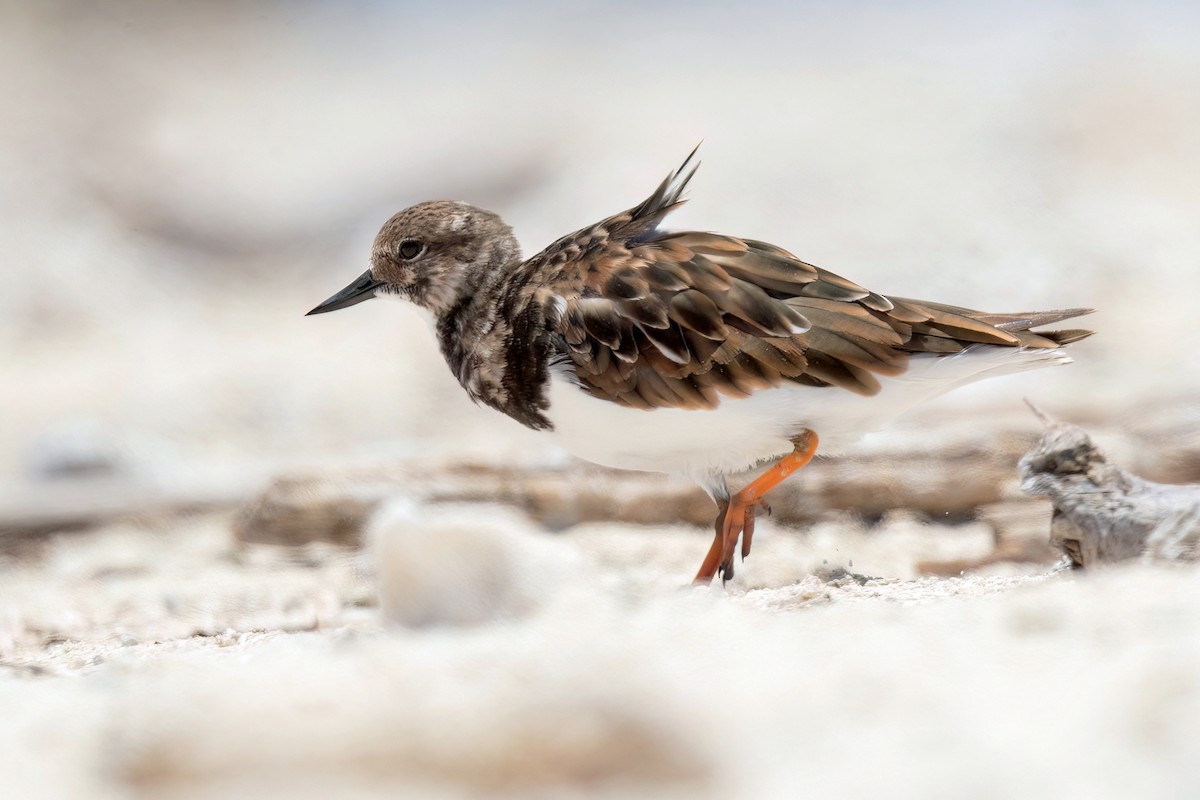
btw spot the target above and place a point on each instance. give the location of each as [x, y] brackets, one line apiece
[949, 477]
[949, 471]
[948, 482]
[1103, 513]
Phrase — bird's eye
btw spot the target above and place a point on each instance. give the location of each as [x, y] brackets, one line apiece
[410, 249]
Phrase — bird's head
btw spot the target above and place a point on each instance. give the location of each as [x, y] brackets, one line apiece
[431, 254]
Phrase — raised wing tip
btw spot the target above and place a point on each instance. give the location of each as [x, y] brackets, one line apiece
[669, 192]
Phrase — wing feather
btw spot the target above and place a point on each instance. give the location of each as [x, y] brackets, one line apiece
[651, 319]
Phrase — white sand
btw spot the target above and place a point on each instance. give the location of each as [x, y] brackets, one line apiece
[183, 672]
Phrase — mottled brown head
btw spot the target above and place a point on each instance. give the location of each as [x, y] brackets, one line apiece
[432, 253]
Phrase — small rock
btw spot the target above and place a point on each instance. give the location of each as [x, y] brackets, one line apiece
[463, 565]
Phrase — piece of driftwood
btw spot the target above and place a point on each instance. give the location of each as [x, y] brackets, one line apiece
[947, 482]
[949, 471]
[1101, 512]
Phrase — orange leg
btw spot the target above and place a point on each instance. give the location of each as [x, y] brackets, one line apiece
[736, 516]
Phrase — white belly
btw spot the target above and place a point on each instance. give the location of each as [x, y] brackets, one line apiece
[743, 432]
[693, 442]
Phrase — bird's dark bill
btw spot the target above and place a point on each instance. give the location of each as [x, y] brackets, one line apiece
[363, 288]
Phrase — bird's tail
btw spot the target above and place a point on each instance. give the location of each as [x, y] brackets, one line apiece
[1023, 322]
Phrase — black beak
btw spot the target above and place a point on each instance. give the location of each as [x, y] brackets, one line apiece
[363, 288]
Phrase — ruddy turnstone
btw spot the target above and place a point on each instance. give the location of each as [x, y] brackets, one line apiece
[679, 351]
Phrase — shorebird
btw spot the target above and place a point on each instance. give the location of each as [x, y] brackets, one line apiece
[684, 352]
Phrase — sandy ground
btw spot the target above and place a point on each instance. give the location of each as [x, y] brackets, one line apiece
[517, 663]
[182, 183]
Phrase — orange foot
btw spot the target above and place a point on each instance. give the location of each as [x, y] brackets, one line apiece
[735, 517]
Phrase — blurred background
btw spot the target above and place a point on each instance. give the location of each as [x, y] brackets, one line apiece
[183, 182]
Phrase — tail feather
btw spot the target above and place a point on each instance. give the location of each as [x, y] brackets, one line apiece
[1022, 323]
[1067, 336]
[1027, 320]
[1024, 320]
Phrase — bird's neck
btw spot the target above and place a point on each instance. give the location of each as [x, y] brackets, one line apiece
[494, 341]
[463, 323]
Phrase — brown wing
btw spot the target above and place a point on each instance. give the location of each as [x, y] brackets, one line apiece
[650, 319]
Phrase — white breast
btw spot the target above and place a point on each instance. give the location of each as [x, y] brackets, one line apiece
[743, 432]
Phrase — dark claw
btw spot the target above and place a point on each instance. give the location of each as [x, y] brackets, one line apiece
[747, 531]
[726, 572]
